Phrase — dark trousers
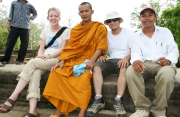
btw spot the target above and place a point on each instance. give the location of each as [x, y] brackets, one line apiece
[14, 33]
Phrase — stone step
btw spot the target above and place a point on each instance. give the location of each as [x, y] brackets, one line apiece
[19, 111]
[8, 75]
[108, 98]
[12, 70]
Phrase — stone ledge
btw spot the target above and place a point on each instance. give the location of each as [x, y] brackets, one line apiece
[16, 51]
[29, 55]
[9, 73]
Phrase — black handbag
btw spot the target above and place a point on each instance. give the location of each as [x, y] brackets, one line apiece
[55, 37]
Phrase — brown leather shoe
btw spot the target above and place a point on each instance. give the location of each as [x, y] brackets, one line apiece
[1, 65]
[18, 63]
[4, 62]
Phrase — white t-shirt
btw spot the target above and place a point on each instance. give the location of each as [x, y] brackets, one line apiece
[48, 35]
[119, 45]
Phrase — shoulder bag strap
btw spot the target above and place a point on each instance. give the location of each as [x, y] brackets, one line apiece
[55, 37]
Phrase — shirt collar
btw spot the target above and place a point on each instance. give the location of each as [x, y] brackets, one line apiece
[156, 29]
[25, 1]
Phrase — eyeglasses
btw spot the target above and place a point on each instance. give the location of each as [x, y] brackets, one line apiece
[114, 20]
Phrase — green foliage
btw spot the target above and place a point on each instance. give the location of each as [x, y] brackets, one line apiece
[17, 45]
[172, 18]
[34, 35]
[3, 38]
[157, 6]
[108, 54]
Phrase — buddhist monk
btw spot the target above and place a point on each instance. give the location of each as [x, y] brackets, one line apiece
[88, 40]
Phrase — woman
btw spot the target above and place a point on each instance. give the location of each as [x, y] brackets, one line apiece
[44, 61]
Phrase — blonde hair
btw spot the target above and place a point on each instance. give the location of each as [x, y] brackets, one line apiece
[54, 9]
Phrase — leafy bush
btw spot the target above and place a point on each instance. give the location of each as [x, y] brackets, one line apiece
[3, 39]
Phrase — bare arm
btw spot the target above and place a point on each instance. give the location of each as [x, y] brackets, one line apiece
[103, 57]
[9, 26]
[41, 49]
[104, 54]
[89, 65]
[58, 53]
[61, 63]
[53, 55]
[128, 57]
[124, 62]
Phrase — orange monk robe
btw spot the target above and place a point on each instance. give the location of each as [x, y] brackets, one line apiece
[65, 91]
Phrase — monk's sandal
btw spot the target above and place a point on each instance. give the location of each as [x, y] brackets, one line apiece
[97, 106]
[118, 107]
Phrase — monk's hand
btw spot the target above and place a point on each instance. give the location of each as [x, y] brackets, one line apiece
[60, 65]
[123, 63]
[102, 59]
[89, 65]
[138, 66]
[163, 61]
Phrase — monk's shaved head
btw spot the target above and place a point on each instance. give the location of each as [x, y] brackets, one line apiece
[86, 3]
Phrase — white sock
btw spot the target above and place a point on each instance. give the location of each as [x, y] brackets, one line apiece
[118, 96]
[99, 96]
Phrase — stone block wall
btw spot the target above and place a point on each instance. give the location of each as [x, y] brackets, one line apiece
[8, 83]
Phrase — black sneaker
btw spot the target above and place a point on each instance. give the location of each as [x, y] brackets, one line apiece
[118, 107]
[97, 106]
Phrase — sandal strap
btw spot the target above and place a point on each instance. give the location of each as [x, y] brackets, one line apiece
[12, 102]
[31, 115]
[6, 107]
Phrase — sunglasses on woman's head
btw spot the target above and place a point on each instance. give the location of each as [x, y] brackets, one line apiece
[114, 20]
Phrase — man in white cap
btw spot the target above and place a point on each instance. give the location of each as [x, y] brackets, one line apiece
[119, 44]
[153, 56]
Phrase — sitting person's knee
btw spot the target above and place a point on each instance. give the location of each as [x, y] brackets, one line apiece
[96, 69]
[123, 70]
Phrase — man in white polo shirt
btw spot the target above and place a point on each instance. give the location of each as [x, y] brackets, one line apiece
[153, 56]
[119, 44]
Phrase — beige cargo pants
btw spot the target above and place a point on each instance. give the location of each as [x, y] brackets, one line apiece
[32, 73]
[164, 84]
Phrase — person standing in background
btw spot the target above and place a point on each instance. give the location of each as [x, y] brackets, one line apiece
[21, 12]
